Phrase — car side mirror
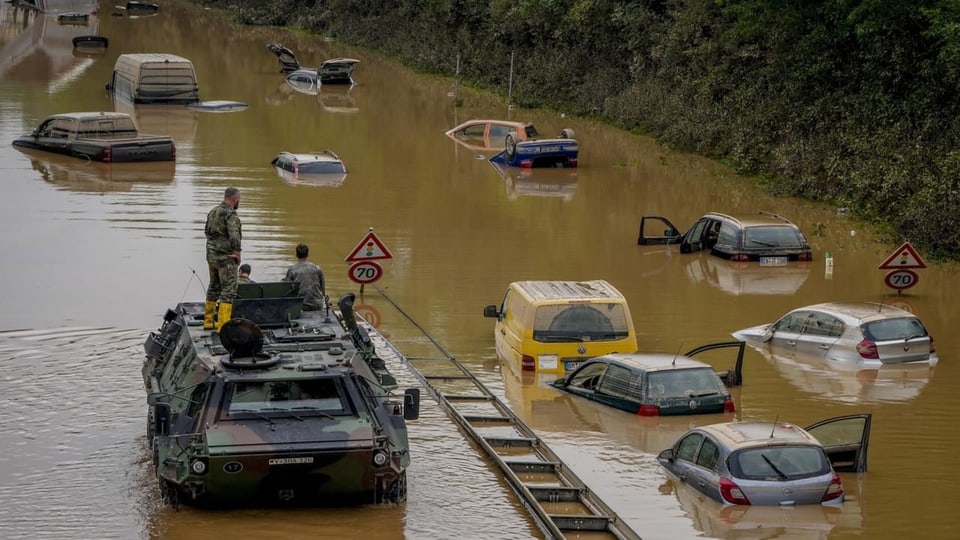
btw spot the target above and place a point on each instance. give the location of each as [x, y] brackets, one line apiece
[491, 311]
[768, 333]
[667, 455]
[411, 404]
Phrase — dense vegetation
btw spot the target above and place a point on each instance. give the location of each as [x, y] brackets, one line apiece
[848, 101]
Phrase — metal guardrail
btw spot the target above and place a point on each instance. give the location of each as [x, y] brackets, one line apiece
[560, 502]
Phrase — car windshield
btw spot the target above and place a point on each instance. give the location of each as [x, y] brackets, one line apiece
[322, 167]
[299, 397]
[891, 329]
[580, 322]
[780, 236]
[779, 463]
[684, 383]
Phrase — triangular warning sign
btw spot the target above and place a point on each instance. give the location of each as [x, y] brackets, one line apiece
[903, 257]
[370, 248]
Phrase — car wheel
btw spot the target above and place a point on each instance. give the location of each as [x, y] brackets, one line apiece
[511, 145]
[567, 133]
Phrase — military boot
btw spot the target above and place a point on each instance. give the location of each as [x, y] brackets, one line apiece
[209, 308]
[226, 309]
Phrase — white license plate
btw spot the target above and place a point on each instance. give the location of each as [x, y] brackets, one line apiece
[545, 149]
[773, 261]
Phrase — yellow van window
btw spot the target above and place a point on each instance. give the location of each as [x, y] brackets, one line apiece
[580, 322]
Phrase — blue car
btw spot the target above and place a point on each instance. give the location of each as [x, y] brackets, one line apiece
[535, 153]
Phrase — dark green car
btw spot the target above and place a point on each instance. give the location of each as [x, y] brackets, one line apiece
[656, 384]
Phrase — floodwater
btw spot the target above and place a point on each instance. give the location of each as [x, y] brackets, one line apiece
[93, 254]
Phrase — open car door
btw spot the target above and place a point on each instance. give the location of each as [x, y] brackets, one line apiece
[662, 231]
[845, 440]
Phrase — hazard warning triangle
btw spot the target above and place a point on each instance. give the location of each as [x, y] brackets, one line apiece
[903, 257]
[369, 249]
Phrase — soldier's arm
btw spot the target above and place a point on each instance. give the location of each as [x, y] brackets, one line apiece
[233, 232]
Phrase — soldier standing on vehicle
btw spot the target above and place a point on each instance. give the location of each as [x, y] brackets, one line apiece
[310, 277]
[223, 255]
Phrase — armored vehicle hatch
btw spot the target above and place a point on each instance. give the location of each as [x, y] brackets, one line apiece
[281, 407]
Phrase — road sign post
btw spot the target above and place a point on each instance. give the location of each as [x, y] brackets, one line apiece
[364, 270]
[901, 264]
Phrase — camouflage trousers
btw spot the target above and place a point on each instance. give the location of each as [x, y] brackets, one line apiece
[223, 279]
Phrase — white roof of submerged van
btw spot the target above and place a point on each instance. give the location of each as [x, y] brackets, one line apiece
[153, 57]
[569, 291]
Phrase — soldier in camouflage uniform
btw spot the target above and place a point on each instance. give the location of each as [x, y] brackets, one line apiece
[223, 255]
[310, 278]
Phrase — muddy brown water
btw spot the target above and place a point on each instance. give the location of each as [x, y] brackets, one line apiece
[92, 255]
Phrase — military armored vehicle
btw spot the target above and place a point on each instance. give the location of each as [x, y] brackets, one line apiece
[282, 406]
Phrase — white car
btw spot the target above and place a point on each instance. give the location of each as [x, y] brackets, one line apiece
[853, 335]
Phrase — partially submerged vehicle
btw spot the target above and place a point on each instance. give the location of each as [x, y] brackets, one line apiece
[314, 169]
[656, 384]
[767, 238]
[281, 406]
[519, 141]
[770, 463]
[332, 71]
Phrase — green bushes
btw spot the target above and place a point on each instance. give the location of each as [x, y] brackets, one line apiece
[847, 102]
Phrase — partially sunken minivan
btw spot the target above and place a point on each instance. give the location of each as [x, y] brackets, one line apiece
[554, 326]
[154, 78]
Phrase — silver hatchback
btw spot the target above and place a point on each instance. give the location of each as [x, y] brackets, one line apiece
[853, 335]
[770, 463]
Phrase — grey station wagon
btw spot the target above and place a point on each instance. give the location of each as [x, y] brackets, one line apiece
[655, 384]
[767, 238]
[770, 463]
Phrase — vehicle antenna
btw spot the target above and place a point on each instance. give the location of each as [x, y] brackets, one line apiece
[200, 281]
[774, 427]
[880, 306]
[680, 348]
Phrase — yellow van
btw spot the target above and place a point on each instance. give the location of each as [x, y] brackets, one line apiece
[553, 326]
[154, 78]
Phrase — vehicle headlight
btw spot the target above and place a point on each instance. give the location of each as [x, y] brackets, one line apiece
[380, 458]
[547, 361]
[198, 466]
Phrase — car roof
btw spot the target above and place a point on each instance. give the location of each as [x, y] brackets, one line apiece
[651, 362]
[736, 435]
[568, 291]
[489, 121]
[754, 220]
[858, 312]
[86, 115]
[307, 156]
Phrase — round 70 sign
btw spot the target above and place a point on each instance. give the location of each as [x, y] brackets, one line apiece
[901, 279]
[365, 272]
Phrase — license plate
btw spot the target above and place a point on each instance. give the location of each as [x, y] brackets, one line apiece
[570, 366]
[545, 149]
[773, 261]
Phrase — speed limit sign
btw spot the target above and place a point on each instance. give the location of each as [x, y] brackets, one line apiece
[901, 279]
[365, 272]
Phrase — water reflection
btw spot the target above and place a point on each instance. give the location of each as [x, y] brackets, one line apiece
[82, 176]
[38, 48]
[830, 381]
[738, 278]
[174, 120]
[721, 521]
[543, 182]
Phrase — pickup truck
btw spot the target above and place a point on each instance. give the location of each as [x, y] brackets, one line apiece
[99, 136]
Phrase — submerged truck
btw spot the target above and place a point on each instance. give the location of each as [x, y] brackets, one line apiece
[281, 406]
[110, 137]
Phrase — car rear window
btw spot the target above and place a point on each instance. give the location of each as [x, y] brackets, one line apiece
[683, 383]
[779, 463]
[531, 132]
[580, 322]
[322, 167]
[889, 329]
[771, 236]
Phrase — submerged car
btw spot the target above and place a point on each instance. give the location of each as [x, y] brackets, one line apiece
[318, 168]
[765, 237]
[332, 71]
[655, 384]
[520, 143]
[770, 463]
[855, 335]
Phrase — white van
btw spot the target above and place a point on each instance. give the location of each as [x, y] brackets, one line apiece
[154, 78]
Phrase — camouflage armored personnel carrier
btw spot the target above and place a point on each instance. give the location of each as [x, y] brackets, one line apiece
[281, 406]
